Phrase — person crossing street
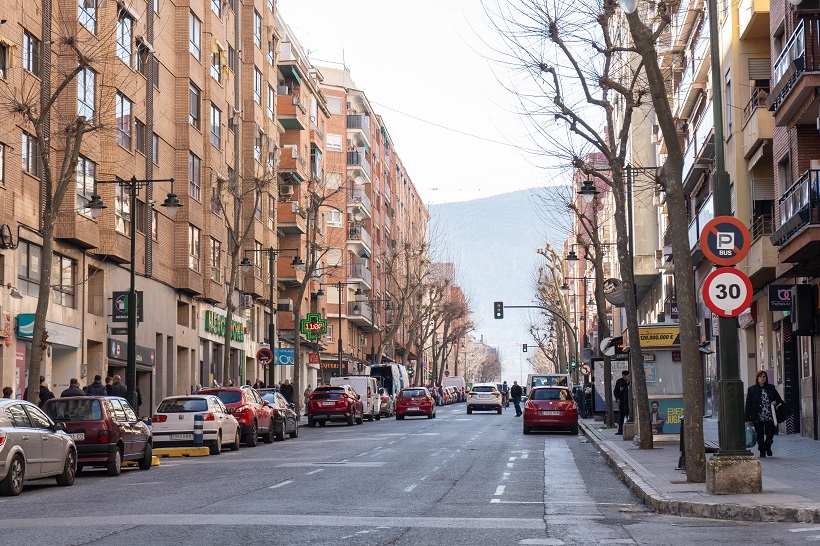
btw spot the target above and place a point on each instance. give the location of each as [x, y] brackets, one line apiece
[516, 392]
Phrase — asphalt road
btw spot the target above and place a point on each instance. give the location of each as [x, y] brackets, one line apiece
[457, 479]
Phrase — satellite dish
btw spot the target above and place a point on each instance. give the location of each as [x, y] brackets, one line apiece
[606, 347]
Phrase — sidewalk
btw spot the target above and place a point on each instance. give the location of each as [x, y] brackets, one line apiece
[791, 478]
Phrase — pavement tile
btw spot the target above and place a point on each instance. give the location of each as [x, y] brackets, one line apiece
[790, 478]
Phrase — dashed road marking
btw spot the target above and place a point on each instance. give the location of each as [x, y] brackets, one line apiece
[410, 488]
[315, 471]
[500, 490]
[505, 476]
[510, 465]
[805, 530]
[278, 485]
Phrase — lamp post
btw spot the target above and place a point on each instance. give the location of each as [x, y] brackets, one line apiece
[246, 265]
[339, 286]
[96, 206]
[388, 306]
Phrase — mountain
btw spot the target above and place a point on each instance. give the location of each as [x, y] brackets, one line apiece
[493, 242]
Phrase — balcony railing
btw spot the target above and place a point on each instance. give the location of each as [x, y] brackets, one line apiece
[359, 158]
[762, 226]
[361, 198]
[798, 206]
[758, 100]
[795, 49]
[359, 233]
[802, 52]
[298, 103]
[360, 271]
[361, 309]
[706, 213]
[361, 122]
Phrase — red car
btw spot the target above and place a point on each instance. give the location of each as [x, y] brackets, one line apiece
[335, 404]
[252, 413]
[551, 407]
[105, 429]
[415, 401]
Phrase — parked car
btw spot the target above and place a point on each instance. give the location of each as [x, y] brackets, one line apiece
[551, 407]
[106, 431]
[32, 446]
[368, 388]
[173, 422]
[340, 403]
[387, 405]
[286, 420]
[253, 415]
[415, 401]
[484, 396]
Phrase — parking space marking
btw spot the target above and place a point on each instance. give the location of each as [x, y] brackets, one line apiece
[505, 476]
[315, 471]
[278, 485]
[500, 490]
[510, 465]
[513, 458]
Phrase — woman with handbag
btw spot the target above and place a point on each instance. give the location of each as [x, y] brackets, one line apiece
[759, 400]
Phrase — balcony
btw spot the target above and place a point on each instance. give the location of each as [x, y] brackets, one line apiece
[291, 112]
[359, 127]
[359, 200]
[798, 235]
[706, 213]
[288, 274]
[361, 274]
[293, 162]
[796, 75]
[753, 19]
[360, 313]
[757, 122]
[358, 165]
[698, 156]
[762, 258]
[291, 218]
[682, 23]
[700, 52]
[358, 240]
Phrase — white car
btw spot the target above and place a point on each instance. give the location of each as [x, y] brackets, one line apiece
[173, 423]
[484, 396]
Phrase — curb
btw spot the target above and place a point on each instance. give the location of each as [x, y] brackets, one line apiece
[712, 510]
[181, 451]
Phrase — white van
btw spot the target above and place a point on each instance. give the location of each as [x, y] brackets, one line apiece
[548, 380]
[458, 382]
[368, 388]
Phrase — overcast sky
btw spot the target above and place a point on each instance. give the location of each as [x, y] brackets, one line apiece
[427, 59]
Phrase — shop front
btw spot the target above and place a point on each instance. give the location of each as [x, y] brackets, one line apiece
[146, 364]
[61, 360]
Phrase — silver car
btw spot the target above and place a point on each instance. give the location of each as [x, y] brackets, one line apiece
[32, 446]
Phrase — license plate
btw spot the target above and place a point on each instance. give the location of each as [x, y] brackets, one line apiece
[551, 412]
[413, 409]
[483, 395]
[328, 403]
[77, 436]
[182, 436]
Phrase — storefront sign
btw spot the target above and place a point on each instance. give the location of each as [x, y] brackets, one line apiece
[780, 297]
[215, 324]
[119, 303]
[118, 350]
[649, 357]
[313, 326]
[673, 310]
[330, 365]
[283, 356]
[313, 358]
[659, 336]
[58, 334]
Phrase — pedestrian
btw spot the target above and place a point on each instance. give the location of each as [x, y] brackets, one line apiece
[7, 392]
[657, 419]
[25, 392]
[247, 382]
[308, 393]
[118, 388]
[45, 393]
[287, 391]
[139, 398]
[256, 384]
[97, 388]
[759, 400]
[261, 384]
[621, 392]
[109, 382]
[231, 383]
[515, 393]
[73, 389]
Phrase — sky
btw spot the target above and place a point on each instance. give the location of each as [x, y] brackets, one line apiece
[422, 63]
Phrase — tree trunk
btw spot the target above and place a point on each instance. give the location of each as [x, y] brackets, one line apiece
[39, 339]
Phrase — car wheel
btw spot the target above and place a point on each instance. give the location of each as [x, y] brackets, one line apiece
[574, 430]
[69, 470]
[295, 433]
[268, 436]
[351, 419]
[311, 423]
[526, 429]
[469, 410]
[80, 469]
[12, 484]
[322, 423]
[252, 437]
[216, 447]
[115, 466]
[370, 417]
[360, 419]
[145, 463]
[498, 411]
[281, 434]
[379, 417]
[237, 439]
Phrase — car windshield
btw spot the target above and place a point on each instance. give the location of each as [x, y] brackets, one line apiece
[333, 394]
[74, 410]
[183, 405]
[483, 389]
[229, 397]
[413, 392]
[551, 394]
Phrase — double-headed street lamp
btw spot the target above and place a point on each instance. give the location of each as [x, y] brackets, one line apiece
[246, 265]
[339, 286]
[96, 206]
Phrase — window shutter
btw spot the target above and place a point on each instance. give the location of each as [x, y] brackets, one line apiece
[760, 69]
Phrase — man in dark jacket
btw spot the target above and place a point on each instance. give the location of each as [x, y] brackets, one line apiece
[97, 388]
[118, 388]
[287, 390]
[515, 393]
[621, 392]
[73, 389]
[45, 393]
[109, 382]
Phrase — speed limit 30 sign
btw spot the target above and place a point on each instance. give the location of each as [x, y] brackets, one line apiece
[727, 292]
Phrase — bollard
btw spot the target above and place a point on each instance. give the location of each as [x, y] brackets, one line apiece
[199, 421]
[682, 458]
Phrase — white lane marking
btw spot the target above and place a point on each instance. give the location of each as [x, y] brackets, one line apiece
[510, 465]
[436, 468]
[144, 483]
[505, 476]
[315, 471]
[362, 454]
[525, 455]
[278, 485]
[806, 530]
[393, 442]
[424, 478]
[410, 488]
[500, 490]
[499, 501]
[513, 458]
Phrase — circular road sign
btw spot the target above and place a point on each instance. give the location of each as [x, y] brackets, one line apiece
[586, 369]
[727, 292]
[725, 240]
[264, 356]
[446, 373]
[606, 348]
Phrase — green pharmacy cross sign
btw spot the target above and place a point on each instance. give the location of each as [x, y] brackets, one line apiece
[313, 326]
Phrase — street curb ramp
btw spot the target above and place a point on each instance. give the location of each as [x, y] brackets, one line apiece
[712, 510]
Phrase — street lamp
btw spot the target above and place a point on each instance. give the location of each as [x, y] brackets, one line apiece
[588, 191]
[339, 286]
[246, 265]
[96, 206]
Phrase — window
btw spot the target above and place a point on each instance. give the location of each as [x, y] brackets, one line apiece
[334, 180]
[86, 175]
[231, 59]
[257, 86]
[125, 31]
[216, 126]
[271, 211]
[194, 176]
[194, 109]
[334, 218]
[155, 5]
[139, 211]
[257, 201]
[154, 224]
[334, 143]
[728, 100]
[38, 418]
[139, 130]
[142, 58]
[123, 107]
[62, 280]
[257, 29]
[31, 53]
[270, 5]
[31, 163]
[334, 104]
[257, 259]
[194, 234]
[122, 209]
[195, 36]
[257, 146]
[216, 7]
[216, 203]
[271, 50]
[28, 275]
[216, 260]
[271, 99]
[155, 148]
[2, 164]
[86, 83]
[87, 14]
[218, 61]
[5, 59]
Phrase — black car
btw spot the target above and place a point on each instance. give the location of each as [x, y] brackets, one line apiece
[286, 420]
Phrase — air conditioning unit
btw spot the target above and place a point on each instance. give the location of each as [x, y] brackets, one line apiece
[286, 189]
[284, 304]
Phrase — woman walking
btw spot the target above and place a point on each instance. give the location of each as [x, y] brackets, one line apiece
[759, 400]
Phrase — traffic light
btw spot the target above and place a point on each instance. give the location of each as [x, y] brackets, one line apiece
[524, 347]
[573, 364]
[499, 309]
